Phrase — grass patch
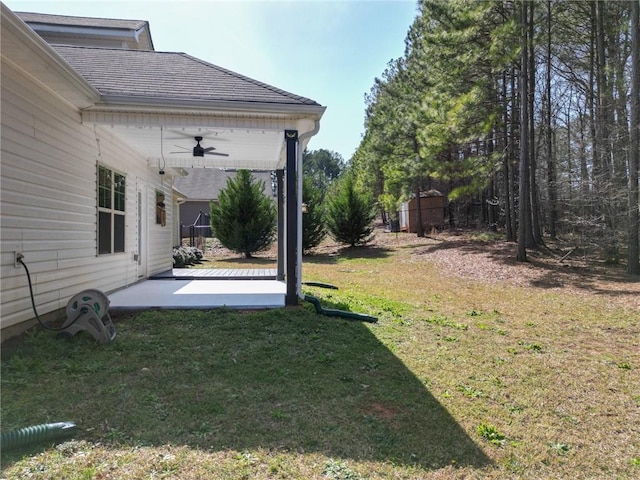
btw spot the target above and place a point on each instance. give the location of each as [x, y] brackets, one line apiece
[491, 433]
[282, 380]
[452, 370]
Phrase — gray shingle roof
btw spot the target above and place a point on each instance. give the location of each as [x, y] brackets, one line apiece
[168, 75]
[46, 18]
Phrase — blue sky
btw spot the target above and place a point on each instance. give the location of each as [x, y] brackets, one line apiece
[329, 51]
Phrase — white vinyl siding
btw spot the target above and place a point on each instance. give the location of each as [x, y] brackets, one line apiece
[48, 198]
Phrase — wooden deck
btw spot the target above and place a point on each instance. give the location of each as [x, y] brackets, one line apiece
[218, 274]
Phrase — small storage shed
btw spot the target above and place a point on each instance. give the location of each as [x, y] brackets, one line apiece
[432, 208]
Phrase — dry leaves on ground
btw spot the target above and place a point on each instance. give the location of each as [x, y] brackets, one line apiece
[463, 254]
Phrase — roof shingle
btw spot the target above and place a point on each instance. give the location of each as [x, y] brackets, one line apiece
[168, 75]
[46, 18]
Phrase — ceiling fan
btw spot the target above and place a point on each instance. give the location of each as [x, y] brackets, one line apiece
[200, 151]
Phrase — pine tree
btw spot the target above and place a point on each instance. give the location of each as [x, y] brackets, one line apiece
[349, 215]
[244, 219]
[322, 166]
[313, 231]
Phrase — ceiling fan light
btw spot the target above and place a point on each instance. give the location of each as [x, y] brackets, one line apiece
[198, 151]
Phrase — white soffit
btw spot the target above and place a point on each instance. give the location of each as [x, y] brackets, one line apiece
[165, 147]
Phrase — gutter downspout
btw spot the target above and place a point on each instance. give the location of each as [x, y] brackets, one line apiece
[301, 138]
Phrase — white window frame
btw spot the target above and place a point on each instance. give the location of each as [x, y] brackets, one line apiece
[111, 200]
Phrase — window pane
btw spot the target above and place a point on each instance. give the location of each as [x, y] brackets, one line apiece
[119, 192]
[104, 232]
[118, 233]
[161, 210]
[104, 187]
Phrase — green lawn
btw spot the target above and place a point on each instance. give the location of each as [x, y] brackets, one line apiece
[458, 379]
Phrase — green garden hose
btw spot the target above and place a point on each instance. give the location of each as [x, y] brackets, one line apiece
[321, 285]
[26, 436]
[339, 313]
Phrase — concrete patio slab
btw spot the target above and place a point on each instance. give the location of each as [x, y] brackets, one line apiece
[200, 294]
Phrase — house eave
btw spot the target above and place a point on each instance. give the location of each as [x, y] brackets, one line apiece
[139, 104]
[116, 33]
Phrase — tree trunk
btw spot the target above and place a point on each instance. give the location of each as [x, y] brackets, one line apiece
[551, 164]
[491, 201]
[633, 245]
[418, 187]
[506, 162]
[524, 213]
[419, 226]
[534, 236]
[513, 161]
[585, 183]
[596, 169]
[604, 117]
[618, 55]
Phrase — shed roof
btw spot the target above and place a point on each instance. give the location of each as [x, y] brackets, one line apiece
[430, 193]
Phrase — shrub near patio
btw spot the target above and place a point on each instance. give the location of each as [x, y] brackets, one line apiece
[460, 378]
[185, 256]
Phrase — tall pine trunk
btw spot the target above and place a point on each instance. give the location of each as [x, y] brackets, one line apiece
[418, 188]
[514, 120]
[534, 236]
[524, 213]
[551, 165]
[633, 246]
[506, 146]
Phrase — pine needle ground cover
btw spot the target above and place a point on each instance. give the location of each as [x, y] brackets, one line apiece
[460, 378]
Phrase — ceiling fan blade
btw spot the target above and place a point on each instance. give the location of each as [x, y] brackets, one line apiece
[209, 149]
[207, 134]
[216, 153]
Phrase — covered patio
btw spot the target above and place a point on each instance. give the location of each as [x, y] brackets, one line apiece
[249, 149]
[202, 116]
